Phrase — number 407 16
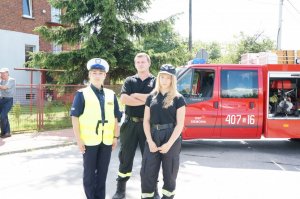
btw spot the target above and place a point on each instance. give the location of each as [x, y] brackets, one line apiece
[238, 119]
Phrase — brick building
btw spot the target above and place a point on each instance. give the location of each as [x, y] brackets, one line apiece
[18, 20]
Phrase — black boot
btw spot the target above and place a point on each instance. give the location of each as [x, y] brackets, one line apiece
[121, 188]
[156, 195]
[165, 197]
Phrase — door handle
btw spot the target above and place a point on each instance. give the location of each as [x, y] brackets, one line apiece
[216, 105]
[251, 105]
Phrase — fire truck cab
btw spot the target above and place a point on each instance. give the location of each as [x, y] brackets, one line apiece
[240, 101]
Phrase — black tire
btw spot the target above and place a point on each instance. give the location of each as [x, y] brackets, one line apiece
[294, 139]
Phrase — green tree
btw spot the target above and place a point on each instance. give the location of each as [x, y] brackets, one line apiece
[166, 47]
[249, 44]
[231, 53]
[103, 29]
[212, 48]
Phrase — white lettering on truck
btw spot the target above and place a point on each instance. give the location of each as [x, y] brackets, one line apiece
[238, 119]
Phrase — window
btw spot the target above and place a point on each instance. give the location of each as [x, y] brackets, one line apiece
[30, 96]
[27, 8]
[284, 94]
[239, 84]
[55, 15]
[184, 83]
[28, 49]
[197, 85]
[203, 83]
[56, 48]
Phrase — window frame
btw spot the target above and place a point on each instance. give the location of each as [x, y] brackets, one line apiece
[56, 48]
[186, 84]
[55, 15]
[29, 5]
[226, 94]
[33, 50]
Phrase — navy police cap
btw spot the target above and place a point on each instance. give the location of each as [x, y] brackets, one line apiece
[168, 69]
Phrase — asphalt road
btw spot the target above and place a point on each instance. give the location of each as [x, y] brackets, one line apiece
[209, 169]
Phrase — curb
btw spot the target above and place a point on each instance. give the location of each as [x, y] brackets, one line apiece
[37, 148]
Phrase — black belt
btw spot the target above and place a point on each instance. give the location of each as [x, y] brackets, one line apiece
[135, 119]
[5, 97]
[162, 126]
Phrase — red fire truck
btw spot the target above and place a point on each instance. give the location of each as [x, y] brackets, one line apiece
[241, 101]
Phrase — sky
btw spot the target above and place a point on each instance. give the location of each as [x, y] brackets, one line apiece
[221, 20]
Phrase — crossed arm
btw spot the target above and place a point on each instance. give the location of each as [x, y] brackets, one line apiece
[3, 87]
[134, 99]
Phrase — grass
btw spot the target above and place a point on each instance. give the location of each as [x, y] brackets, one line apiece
[28, 118]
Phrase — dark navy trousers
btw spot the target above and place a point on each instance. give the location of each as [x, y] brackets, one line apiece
[95, 167]
[6, 104]
[151, 165]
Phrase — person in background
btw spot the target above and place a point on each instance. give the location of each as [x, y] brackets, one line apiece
[7, 91]
[95, 115]
[134, 92]
[163, 124]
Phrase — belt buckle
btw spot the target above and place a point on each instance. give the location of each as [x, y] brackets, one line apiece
[135, 119]
[157, 127]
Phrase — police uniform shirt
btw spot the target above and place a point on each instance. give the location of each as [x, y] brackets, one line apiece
[134, 84]
[79, 104]
[160, 115]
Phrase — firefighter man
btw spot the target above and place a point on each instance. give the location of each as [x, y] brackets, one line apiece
[163, 123]
[134, 92]
[95, 113]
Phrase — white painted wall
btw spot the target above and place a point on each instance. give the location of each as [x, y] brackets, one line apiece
[12, 54]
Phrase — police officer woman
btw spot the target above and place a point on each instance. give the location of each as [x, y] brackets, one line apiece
[95, 113]
[163, 123]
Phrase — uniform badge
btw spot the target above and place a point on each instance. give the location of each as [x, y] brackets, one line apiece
[150, 84]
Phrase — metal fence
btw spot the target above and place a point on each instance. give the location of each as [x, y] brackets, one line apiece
[44, 107]
[41, 107]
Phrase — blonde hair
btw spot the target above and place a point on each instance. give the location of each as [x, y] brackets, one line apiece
[171, 94]
[143, 55]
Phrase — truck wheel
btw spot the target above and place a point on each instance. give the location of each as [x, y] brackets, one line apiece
[294, 139]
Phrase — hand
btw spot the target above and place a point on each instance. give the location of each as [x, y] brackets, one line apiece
[81, 146]
[115, 143]
[152, 146]
[164, 148]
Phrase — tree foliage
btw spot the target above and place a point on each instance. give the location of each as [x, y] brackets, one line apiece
[96, 28]
[250, 44]
[166, 47]
[231, 52]
[213, 49]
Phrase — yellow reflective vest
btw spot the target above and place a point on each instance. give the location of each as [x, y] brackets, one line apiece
[90, 120]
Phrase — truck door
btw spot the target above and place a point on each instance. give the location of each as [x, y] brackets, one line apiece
[199, 87]
[240, 102]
